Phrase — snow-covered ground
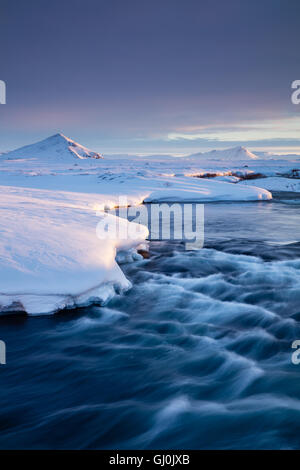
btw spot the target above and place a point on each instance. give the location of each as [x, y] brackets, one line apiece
[50, 256]
[273, 183]
[53, 192]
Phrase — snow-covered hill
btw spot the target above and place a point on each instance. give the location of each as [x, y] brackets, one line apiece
[235, 153]
[57, 148]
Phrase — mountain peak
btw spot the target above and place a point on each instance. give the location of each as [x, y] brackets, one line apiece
[234, 153]
[57, 147]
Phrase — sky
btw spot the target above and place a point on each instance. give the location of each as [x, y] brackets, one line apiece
[159, 76]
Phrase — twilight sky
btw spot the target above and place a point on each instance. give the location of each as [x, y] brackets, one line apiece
[148, 76]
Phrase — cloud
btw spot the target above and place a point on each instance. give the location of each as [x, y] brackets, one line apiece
[284, 128]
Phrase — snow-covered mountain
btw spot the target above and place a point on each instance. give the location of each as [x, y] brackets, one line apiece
[235, 153]
[57, 148]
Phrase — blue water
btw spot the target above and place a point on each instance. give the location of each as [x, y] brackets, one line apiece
[196, 355]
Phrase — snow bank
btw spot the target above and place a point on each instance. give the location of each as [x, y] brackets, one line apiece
[50, 256]
[207, 191]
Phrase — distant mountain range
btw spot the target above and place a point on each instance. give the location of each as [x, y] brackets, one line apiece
[60, 148]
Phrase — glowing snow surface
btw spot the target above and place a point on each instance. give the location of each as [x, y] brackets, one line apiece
[50, 256]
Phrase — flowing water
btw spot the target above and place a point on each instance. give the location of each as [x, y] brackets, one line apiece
[196, 355]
